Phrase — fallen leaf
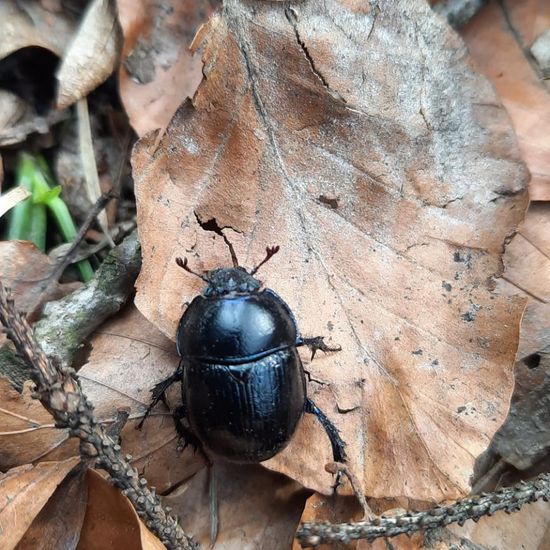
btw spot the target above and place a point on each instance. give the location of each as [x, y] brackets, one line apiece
[111, 521]
[27, 430]
[23, 268]
[58, 524]
[25, 23]
[528, 529]
[359, 139]
[158, 71]
[257, 508]
[92, 55]
[524, 438]
[498, 38]
[23, 493]
[527, 272]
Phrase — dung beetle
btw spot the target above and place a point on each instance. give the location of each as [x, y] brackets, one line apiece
[243, 383]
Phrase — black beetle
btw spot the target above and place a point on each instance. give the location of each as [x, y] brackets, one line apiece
[243, 383]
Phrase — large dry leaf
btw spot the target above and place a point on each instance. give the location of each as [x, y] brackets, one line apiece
[111, 522]
[23, 493]
[58, 524]
[92, 55]
[158, 70]
[128, 356]
[256, 508]
[361, 141]
[499, 37]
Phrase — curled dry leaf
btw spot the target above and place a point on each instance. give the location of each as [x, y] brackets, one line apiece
[92, 55]
[23, 493]
[25, 23]
[128, 357]
[158, 70]
[257, 508]
[499, 37]
[111, 522]
[58, 524]
[360, 140]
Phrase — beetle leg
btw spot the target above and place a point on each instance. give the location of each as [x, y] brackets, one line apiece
[336, 441]
[159, 390]
[186, 435]
[316, 343]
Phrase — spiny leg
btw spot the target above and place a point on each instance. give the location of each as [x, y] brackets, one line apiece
[338, 452]
[186, 435]
[315, 344]
[159, 390]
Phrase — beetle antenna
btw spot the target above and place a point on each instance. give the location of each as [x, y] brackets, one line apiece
[183, 265]
[270, 251]
[232, 251]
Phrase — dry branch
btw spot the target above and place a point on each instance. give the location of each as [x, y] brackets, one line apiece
[58, 389]
[509, 499]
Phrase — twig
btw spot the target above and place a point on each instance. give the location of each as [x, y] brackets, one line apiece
[509, 499]
[98, 207]
[58, 389]
[68, 322]
[339, 468]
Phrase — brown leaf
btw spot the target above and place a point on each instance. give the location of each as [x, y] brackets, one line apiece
[499, 37]
[27, 431]
[58, 524]
[92, 55]
[528, 529]
[111, 522]
[527, 272]
[128, 357]
[24, 269]
[338, 509]
[257, 508]
[23, 493]
[360, 141]
[158, 70]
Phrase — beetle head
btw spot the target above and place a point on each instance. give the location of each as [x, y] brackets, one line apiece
[230, 280]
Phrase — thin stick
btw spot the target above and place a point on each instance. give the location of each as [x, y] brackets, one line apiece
[509, 499]
[58, 389]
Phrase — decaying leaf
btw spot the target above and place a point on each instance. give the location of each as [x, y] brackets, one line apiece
[527, 272]
[128, 357]
[58, 524]
[27, 430]
[257, 508]
[111, 522]
[92, 55]
[23, 493]
[499, 37]
[360, 140]
[24, 268]
[158, 70]
[528, 529]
